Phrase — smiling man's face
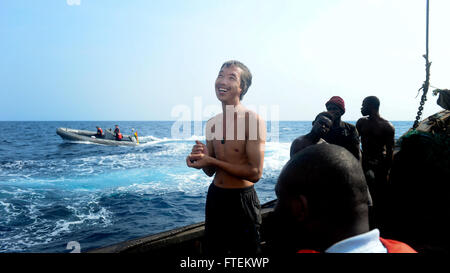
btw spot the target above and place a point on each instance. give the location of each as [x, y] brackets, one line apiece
[228, 84]
[322, 125]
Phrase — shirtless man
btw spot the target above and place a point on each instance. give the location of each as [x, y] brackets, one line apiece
[321, 126]
[377, 138]
[234, 152]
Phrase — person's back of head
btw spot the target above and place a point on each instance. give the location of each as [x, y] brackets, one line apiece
[322, 189]
[372, 102]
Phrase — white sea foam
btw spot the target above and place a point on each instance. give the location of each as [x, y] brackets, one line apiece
[85, 211]
[84, 142]
[194, 183]
[148, 140]
[175, 149]
[277, 154]
[10, 211]
[145, 188]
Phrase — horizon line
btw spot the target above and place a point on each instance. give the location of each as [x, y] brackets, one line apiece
[155, 120]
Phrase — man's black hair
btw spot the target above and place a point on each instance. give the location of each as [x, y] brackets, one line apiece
[373, 102]
[326, 114]
[246, 75]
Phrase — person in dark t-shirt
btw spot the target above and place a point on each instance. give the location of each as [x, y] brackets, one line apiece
[342, 133]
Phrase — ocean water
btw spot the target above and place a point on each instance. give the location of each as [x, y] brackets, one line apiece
[53, 192]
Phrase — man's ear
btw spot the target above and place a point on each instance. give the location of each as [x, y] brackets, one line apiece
[300, 208]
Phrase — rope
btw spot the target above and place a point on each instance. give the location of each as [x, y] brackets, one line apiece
[426, 83]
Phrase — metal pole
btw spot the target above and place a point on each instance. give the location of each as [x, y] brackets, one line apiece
[428, 16]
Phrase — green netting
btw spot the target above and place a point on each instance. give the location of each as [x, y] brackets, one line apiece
[429, 148]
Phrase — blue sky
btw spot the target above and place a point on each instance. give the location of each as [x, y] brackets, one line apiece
[138, 60]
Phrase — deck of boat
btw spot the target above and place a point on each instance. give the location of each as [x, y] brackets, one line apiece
[179, 241]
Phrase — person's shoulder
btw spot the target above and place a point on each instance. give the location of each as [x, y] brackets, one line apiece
[252, 117]
[348, 126]
[251, 114]
[362, 120]
[298, 144]
[361, 123]
[385, 125]
[351, 130]
[214, 118]
[388, 125]
[298, 139]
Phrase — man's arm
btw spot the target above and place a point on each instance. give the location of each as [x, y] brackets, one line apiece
[201, 149]
[294, 148]
[355, 147]
[252, 171]
[359, 124]
[390, 143]
[297, 145]
[210, 170]
[210, 126]
[254, 150]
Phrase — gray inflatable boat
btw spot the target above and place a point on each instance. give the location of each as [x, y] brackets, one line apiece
[90, 136]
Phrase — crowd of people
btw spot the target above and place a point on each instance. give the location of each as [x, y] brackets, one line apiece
[333, 195]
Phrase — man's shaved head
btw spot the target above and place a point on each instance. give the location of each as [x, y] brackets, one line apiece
[332, 181]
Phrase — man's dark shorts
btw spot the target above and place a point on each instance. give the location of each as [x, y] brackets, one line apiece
[232, 221]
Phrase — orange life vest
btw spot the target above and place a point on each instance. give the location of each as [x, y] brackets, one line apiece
[118, 134]
[392, 246]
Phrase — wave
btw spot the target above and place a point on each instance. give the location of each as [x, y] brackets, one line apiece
[149, 140]
[161, 153]
[74, 195]
[48, 220]
[276, 155]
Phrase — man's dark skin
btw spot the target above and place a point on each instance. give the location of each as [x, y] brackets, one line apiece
[377, 136]
[321, 126]
[347, 138]
[322, 199]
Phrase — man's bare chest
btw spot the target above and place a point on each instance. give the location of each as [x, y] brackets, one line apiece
[230, 150]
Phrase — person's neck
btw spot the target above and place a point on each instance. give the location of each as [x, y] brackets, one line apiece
[337, 122]
[237, 105]
[339, 234]
[374, 116]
